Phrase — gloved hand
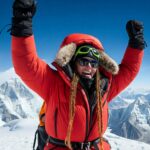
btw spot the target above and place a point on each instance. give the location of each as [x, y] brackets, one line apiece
[23, 11]
[136, 36]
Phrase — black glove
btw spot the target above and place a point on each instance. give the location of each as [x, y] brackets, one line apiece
[136, 36]
[23, 11]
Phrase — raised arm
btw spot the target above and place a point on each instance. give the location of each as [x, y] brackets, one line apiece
[132, 59]
[33, 71]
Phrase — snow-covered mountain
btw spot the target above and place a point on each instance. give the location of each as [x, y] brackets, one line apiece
[16, 100]
[132, 114]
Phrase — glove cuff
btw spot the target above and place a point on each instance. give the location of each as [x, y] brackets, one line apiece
[21, 27]
[137, 44]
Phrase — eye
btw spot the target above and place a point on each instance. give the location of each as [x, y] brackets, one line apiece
[84, 49]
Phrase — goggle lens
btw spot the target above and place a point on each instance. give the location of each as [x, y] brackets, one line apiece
[86, 62]
[86, 49]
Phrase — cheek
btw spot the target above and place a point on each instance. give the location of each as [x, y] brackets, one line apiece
[94, 71]
[80, 70]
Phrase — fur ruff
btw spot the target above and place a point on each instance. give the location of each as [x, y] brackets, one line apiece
[66, 53]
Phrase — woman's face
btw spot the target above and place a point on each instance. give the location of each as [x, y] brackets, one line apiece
[86, 67]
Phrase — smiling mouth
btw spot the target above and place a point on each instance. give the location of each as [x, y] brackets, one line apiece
[87, 74]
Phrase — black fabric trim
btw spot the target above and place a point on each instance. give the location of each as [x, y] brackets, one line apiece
[68, 70]
[35, 139]
[40, 138]
[75, 145]
[55, 121]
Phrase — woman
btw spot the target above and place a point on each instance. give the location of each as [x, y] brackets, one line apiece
[86, 79]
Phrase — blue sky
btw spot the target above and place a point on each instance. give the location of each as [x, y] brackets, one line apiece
[104, 19]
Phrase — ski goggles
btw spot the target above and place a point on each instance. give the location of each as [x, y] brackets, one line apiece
[83, 50]
[85, 62]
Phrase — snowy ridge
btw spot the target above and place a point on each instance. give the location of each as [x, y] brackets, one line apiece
[120, 143]
[16, 99]
[7, 75]
[18, 134]
[133, 118]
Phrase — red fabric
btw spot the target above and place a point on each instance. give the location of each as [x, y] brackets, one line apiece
[54, 87]
[129, 68]
[50, 146]
[79, 39]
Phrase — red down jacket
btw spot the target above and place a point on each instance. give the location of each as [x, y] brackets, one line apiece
[54, 87]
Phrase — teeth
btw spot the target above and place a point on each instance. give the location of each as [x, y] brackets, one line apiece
[87, 72]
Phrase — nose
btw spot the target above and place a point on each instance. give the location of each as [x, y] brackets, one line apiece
[89, 65]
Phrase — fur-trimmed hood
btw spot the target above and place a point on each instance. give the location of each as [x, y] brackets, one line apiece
[70, 43]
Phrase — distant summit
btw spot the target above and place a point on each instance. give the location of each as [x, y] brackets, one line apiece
[16, 100]
[131, 111]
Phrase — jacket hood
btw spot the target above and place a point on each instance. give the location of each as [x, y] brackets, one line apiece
[70, 43]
